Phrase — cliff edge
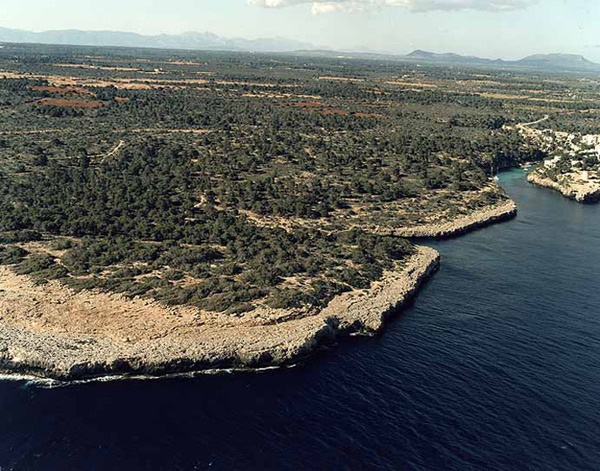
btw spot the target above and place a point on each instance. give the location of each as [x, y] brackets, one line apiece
[51, 331]
[576, 189]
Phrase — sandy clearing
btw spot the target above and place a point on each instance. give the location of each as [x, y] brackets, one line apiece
[98, 67]
[137, 83]
[170, 131]
[341, 79]
[412, 84]
[259, 94]
[34, 131]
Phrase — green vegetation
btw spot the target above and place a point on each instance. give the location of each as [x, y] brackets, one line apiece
[225, 181]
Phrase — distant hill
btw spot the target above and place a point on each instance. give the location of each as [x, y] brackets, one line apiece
[420, 54]
[556, 62]
[447, 58]
[565, 62]
[209, 41]
[560, 61]
[198, 41]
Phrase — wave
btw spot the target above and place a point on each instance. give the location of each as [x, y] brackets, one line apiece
[47, 383]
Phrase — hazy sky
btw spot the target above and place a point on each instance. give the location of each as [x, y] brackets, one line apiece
[490, 28]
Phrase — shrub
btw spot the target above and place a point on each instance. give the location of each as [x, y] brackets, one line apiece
[12, 255]
[60, 244]
[34, 264]
[20, 236]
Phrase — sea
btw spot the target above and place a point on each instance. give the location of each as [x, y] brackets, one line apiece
[495, 366]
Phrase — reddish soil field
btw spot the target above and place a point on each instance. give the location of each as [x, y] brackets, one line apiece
[63, 90]
[368, 115]
[323, 108]
[309, 104]
[122, 99]
[70, 103]
[338, 112]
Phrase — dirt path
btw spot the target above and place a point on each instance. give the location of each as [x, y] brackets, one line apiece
[115, 131]
[525, 125]
[172, 131]
[39, 131]
[114, 150]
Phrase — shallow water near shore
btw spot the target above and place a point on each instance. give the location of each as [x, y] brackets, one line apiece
[495, 366]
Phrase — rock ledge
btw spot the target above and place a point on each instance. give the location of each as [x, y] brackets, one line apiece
[582, 193]
[462, 225]
[52, 332]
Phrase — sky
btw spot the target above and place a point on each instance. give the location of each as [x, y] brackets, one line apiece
[508, 29]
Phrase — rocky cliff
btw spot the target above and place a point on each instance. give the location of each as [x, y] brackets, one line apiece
[460, 225]
[53, 332]
[583, 192]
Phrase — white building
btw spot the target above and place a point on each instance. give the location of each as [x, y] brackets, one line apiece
[592, 140]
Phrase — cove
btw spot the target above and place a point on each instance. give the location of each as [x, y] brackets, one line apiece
[495, 366]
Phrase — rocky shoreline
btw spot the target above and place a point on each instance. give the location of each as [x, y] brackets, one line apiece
[579, 193]
[52, 332]
[462, 225]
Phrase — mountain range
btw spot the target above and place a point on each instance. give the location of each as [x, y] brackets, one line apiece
[572, 62]
[209, 41]
[198, 41]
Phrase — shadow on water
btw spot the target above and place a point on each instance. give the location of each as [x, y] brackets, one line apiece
[495, 366]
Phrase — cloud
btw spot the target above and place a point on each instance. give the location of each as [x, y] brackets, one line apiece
[332, 6]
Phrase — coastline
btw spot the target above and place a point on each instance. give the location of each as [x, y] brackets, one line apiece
[462, 225]
[69, 341]
[52, 332]
[581, 194]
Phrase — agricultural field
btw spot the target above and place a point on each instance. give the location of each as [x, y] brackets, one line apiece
[230, 181]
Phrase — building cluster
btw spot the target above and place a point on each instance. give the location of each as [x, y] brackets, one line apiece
[593, 141]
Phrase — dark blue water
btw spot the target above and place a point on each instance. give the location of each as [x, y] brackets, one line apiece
[496, 366]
